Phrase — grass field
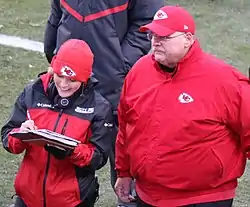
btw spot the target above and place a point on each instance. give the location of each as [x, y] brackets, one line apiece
[222, 28]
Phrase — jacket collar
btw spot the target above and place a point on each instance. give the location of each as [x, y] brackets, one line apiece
[192, 55]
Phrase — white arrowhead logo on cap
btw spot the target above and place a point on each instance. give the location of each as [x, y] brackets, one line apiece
[67, 71]
[160, 15]
[185, 27]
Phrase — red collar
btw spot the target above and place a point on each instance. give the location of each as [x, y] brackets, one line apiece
[46, 78]
[192, 55]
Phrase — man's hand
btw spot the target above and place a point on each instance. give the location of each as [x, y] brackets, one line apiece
[122, 189]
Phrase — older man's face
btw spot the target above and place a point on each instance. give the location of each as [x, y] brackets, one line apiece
[169, 50]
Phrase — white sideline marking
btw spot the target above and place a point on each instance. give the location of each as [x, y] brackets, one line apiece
[19, 42]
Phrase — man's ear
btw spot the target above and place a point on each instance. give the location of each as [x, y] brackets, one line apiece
[189, 40]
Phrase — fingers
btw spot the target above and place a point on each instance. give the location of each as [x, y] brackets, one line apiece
[131, 198]
[28, 125]
[122, 192]
[124, 197]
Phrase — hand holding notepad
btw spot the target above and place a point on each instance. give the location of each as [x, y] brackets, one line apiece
[29, 133]
[44, 136]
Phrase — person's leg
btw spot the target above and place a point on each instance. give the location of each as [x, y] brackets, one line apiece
[83, 204]
[19, 202]
[113, 175]
[141, 203]
[224, 203]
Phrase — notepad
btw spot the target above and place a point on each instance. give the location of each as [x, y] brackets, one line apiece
[45, 136]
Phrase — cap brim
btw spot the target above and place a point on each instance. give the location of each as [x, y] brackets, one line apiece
[157, 29]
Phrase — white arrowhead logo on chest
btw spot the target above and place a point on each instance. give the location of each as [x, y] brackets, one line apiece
[185, 98]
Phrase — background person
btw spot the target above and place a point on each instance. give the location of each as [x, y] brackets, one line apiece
[111, 28]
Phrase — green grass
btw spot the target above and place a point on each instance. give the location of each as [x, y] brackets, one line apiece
[18, 67]
[222, 28]
[25, 18]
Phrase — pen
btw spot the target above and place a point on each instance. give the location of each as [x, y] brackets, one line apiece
[29, 118]
[28, 115]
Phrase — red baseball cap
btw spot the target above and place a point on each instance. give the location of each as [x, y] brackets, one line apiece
[170, 19]
[74, 59]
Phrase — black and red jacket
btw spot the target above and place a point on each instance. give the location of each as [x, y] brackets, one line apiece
[42, 179]
[111, 29]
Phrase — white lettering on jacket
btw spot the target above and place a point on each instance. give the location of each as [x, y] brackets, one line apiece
[84, 110]
[43, 105]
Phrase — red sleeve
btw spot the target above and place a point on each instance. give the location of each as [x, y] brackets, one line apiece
[121, 157]
[16, 146]
[237, 108]
[244, 117]
[82, 155]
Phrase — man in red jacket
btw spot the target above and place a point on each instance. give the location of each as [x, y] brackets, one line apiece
[184, 121]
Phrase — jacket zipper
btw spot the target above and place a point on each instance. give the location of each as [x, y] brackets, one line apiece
[48, 163]
[64, 126]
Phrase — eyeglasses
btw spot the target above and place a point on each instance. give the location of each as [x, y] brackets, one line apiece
[152, 36]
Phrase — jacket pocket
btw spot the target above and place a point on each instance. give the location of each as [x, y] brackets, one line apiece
[216, 156]
[231, 159]
[196, 169]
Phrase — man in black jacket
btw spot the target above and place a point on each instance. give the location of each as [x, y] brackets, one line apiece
[110, 27]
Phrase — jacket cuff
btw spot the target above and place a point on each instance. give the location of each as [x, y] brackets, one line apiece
[82, 155]
[122, 174]
[15, 145]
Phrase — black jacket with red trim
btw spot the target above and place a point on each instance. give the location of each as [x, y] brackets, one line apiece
[110, 27]
[42, 179]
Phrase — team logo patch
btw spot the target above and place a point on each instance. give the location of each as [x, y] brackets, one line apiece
[67, 71]
[185, 98]
[84, 110]
[160, 15]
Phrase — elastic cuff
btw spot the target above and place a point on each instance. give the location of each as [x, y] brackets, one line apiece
[123, 174]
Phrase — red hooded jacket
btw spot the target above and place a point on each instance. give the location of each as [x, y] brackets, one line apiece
[184, 136]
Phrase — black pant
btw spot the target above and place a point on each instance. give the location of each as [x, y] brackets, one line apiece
[113, 175]
[19, 203]
[225, 203]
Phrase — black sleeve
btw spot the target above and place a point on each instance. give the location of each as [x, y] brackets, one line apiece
[101, 138]
[95, 154]
[17, 117]
[135, 43]
[50, 35]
